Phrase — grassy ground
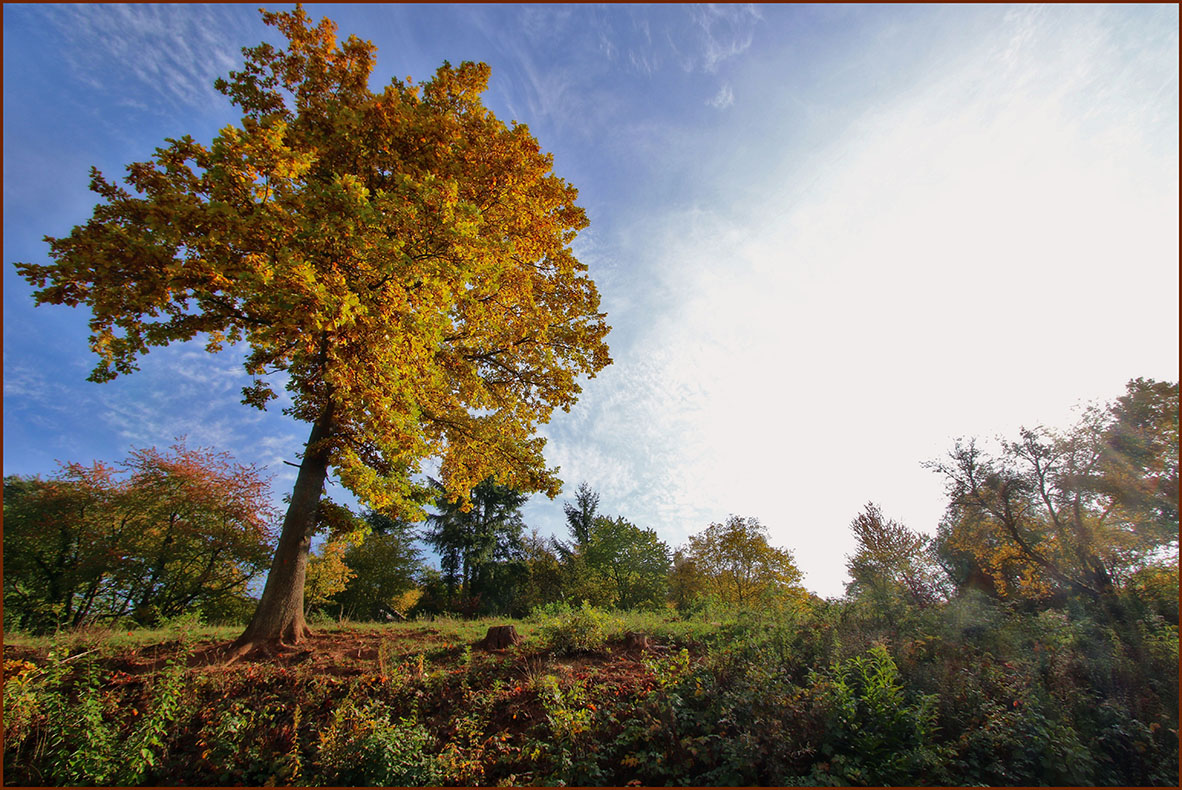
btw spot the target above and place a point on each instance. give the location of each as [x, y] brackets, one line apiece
[816, 697]
[110, 641]
[303, 715]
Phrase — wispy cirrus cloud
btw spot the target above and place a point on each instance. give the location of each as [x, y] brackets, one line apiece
[22, 382]
[575, 59]
[164, 51]
[723, 99]
[627, 436]
[725, 31]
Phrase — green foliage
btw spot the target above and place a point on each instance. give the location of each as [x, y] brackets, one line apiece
[570, 746]
[254, 728]
[892, 566]
[22, 684]
[669, 671]
[545, 577]
[71, 728]
[436, 599]
[1012, 745]
[610, 562]
[630, 563]
[365, 746]
[160, 534]
[566, 629]
[148, 742]
[875, 736]
[1138, 466]
[1155, 587]
[232, 609]
[385, 565]
[479, 545]
[581, 515]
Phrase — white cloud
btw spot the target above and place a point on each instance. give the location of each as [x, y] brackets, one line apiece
[726, 31]
[22, 382]
[723, 99]
[994, 245]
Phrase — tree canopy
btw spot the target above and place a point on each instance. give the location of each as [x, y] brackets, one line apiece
[892, 562]
[400, 258]
[581, 514]
[385, 567]
[155, 536]
[734, 563]
[630, 563]
[1073, 512]
[475, 544]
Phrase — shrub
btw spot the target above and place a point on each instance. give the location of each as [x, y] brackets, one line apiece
[1156, 588]
[570, 746]
[1019, 745]
[63, 727]
[363, 746]
[230, 609]
[248, 727]
[567, 630]
[874, 735]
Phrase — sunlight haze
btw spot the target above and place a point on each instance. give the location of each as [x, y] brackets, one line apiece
[829, 240]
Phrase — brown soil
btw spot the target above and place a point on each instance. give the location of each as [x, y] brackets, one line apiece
[442, 687]
[352, 652]
[337, 652]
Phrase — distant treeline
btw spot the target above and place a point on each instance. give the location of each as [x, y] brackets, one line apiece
[1090, 513]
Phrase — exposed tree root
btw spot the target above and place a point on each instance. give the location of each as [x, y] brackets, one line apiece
[265, 648]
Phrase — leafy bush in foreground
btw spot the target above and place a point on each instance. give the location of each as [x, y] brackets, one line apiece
[565, 629]
[65, 727]
[364, 746]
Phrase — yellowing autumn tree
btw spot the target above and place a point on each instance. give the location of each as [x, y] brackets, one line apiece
[734, 563]
[157, 535]
[402, 258]
[1079, 512]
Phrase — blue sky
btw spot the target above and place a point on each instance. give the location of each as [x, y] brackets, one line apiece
[829, 239]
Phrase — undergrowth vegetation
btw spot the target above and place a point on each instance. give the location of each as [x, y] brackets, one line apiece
[968, 692]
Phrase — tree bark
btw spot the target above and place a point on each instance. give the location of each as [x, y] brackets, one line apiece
[499, 637]
[279, 618]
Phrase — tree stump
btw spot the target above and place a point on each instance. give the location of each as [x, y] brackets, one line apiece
[499, 637]
[634, 640]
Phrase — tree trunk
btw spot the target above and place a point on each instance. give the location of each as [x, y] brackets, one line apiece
[279, 618]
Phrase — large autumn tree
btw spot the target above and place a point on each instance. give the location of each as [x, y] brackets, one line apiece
[402, 258]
